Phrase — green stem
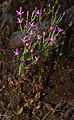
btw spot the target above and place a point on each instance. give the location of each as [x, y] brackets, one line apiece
[21, 27]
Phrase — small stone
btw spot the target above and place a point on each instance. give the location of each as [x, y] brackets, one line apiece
[15, 40]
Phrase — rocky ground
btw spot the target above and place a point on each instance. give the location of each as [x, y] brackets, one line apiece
[25, 98]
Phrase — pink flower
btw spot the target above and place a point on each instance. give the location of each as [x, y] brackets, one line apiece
[52, 39]
[37, 58]
[47, 40]
[24, 39]
[19, 13]
[51, 27]
[20, 20]
[33, 25]
[28, 42]
[39, 37]
[31, 32]
[16, 52]
[55, 29]
[60, 30]
[44, 33]
[31, 50]
[37, 12]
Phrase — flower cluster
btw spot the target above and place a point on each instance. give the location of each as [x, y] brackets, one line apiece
[26, 41]
[19, 14]
[36, 39]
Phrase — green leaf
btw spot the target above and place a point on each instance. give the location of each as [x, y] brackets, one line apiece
[21, 68]
[46, 53]
[20, 111]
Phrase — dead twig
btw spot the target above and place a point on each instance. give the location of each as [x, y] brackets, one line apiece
[47, 114]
